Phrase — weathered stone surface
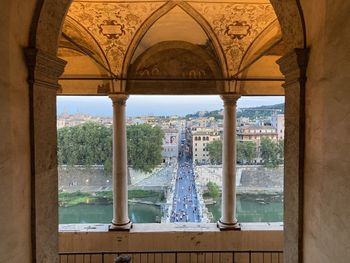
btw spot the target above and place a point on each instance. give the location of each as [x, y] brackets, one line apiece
[262, 177]
[47, 23]
[293, 66]
[327, 177]
[15, 181]
[84, 179]
[288, 15]
[43, 71]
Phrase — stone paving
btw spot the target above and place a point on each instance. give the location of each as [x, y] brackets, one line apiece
[162, 178]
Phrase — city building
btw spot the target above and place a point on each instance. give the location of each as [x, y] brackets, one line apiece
[242, 121]
[277, 121]
[171, 144]
[201, 137]
[256, 133]
[66, 120]
[229, 49]
[202, 122]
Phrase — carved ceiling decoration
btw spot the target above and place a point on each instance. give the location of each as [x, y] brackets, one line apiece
[83, 41]
[113, 25]
[236, 26]
[178, 60]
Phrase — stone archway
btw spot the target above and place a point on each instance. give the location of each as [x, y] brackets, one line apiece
[45, 69]
[195, 16]
[49, 17]
[175, 59]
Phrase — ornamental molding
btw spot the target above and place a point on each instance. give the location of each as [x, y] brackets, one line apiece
[236, 26]
[230, 99]
[113, 25]
[293, 66]
[119, 99]
[81, 36]
[43, 68]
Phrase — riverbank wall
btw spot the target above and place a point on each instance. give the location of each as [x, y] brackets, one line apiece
[250, 179]
[93, 178]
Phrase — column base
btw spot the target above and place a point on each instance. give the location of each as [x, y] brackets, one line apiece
[120, 227]
[228, 226]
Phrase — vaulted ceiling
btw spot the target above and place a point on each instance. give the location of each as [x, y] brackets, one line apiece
[101, 40]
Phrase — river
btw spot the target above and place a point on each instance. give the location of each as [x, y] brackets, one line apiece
[253, 208]
[250, 208]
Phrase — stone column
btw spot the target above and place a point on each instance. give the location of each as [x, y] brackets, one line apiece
[228, 219]
[43, 73]
[293, 66]
[121, 219]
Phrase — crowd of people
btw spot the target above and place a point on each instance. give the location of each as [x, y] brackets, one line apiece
[185, 203]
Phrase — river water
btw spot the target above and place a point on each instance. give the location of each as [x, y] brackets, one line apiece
[250, 208]
[253, 208]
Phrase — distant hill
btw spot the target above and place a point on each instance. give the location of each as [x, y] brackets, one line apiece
[216, 114]
[252, 113]
[279, 106]
[261, 111]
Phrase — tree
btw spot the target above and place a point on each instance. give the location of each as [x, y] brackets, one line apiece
[213, 190]
[281, 151]
[91, 144]
[215, 151]
[271, 152]
[246, 151]
[85, 144]
[144, 146]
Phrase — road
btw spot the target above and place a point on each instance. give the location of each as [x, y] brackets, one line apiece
[185, 203]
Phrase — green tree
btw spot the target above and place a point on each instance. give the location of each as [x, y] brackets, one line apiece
[213, 190]
[281, 151]
[271, 152]
[91, 144]
[246, 151]
[85, 144]
[144, 146]
[215, 151]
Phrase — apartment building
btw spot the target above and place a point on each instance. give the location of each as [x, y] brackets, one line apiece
[200, 140]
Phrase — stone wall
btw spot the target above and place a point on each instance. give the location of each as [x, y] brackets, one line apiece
[327, 177]
[92, 178]
[261, 177]
[15, 173]
[250, 178]
[84, 179]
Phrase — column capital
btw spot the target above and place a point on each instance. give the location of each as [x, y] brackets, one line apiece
[118, 98]
[230, 99]
[293, 66]
[43, 68]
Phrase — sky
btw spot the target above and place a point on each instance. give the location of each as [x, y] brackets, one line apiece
[155, 105]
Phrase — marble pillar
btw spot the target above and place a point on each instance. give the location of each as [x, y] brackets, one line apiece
[228, 219]
[121, 219]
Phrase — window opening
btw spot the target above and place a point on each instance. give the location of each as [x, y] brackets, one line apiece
[85, 146]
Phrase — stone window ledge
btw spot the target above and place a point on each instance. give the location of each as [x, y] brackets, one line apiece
[176, 227]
